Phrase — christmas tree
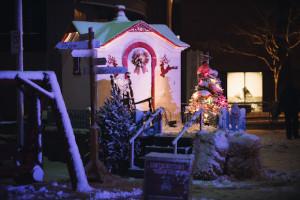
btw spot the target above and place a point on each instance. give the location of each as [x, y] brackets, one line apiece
[117, 125]
[208, 94]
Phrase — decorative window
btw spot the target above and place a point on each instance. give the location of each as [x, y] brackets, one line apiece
[245, 87]
[76, 66]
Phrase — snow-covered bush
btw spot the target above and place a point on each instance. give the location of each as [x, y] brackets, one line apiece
[243, 160]
[117, 124]
[219, 153]
[210, 151]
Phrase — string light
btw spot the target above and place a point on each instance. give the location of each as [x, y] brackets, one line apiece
[208, 94]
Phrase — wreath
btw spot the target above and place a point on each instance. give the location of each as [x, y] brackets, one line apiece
[140, 59]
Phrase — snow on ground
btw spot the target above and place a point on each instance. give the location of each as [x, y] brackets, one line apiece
[280, 159]
[34, 192]
[281, 162]
[56, 190]
[100, 194]
[277, 152]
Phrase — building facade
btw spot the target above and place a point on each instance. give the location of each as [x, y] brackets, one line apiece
[151, 52]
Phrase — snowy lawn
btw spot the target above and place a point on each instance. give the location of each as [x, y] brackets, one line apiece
[277, 152]
[114, 188]
[280, 159]
[54, 190]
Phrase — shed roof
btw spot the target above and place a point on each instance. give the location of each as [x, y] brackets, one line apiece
[108, 31]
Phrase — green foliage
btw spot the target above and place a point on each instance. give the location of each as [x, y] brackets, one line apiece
[117, 124]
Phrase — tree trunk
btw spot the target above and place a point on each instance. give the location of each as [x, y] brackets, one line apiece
[276, 78]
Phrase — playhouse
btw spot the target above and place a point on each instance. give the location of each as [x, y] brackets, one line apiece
[151, 52]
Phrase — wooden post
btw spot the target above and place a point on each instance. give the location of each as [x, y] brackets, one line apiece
[200, 122]
[160, 124]
[20, 94]
[169, 13]
[31, 169]
[131, 98]
[132, 166]
[37, 171]
[94, 169]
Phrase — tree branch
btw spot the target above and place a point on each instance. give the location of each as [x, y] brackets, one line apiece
[230, 49]
[287, 30]
[295, 44]
[255, 37]
[288, 36]
[271, 47]
[295, 33]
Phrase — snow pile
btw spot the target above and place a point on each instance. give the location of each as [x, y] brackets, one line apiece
[220, 153]
[210, 151]
[272, 175]
[100, 194]
[243, 159]
[29, 192]
[38, 173]
[21, 189]
[223, 182]
[58, 191]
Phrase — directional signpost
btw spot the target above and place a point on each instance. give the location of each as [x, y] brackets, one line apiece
[99, 61]
[78, 45]
[110, 70]
[86, 49]
[83, 53]
[95, 169]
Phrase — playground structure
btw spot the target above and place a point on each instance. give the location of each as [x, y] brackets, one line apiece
[37, 82]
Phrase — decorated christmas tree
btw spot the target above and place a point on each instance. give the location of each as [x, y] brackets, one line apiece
[208, 94]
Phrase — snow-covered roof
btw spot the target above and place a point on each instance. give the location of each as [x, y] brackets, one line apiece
[108, 31]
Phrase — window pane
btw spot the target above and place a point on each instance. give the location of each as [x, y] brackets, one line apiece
[235, 85]
[253, 89]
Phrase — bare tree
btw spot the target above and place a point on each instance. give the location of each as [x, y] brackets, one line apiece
[269, 43]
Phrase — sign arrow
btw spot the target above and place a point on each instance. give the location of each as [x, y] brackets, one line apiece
[99, 61]
[77, 45]
[83, 53]
[111, 70]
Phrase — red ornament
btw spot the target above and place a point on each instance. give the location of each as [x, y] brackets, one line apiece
[203, 70]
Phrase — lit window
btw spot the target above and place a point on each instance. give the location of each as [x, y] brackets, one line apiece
[244, 87]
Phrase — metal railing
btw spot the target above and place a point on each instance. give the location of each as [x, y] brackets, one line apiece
[157, 113]
[188, 124]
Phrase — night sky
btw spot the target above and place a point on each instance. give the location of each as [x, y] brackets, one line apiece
[202, 24]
